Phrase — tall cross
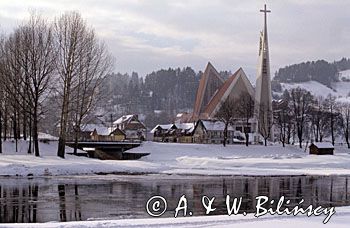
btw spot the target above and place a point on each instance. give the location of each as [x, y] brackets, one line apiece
[265, 11]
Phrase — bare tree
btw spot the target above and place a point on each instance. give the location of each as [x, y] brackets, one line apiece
[69, 30]
[28, 68]
[319, 119]
[245, 110]
[82, 64]
[226, 114]
[283, 121]
[345, 122]
[2, 92]
[302, 102]
[333, 115]
[265, 122]
[94, 66]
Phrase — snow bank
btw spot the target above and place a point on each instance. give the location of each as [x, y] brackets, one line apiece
[176, 158]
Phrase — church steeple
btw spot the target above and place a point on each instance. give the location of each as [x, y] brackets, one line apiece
[263, 96]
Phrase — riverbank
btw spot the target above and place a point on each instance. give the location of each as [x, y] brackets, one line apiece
[172, 158]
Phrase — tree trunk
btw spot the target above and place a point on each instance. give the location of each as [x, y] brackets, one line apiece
[0, 132]
[5, 125]
[300, 137]
[346, 136]
[14, 128]
[30, 135]
[246, 139]
[63, 122]
[225, 134]
[76, 137]
[24, 126]
[265, 141]
[35, 131]
[333, 137]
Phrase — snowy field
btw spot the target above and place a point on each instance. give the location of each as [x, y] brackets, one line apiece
[340, 220]
[341, 90]
[175, 158]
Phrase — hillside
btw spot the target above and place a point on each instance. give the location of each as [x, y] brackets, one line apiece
[341, 89]
[319, 77]
[320, 71]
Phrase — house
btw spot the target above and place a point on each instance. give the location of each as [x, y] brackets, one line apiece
[164, 133]
[186, 132]
[133, 128]
[99, 132]
[321, 148]
[178, 132]
[212, 132]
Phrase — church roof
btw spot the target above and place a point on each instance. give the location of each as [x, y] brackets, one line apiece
[218, 97]
[213, 91]
[232, 87]
[205, 92]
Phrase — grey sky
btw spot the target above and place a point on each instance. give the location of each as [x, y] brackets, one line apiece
[148, 35]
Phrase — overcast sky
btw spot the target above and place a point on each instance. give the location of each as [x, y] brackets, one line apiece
[148, 35]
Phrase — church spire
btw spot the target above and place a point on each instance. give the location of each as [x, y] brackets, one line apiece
[263, 96]
[265, 11]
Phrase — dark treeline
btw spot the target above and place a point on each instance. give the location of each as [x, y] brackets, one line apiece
[165, 93]
[321, 71]
[170, 90]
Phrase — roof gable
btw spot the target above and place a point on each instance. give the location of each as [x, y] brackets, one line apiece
[233, 86]
[323, 145]
[209, 84]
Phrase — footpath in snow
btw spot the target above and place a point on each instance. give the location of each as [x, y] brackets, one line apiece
[175, 158]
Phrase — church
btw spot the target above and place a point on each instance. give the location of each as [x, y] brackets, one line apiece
[213, 90]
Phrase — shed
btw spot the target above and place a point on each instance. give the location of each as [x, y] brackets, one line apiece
[321, 148]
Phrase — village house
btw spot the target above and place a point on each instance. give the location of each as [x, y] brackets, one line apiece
[99, 132]
[178, 132]
[164, 133]
[321, 148]
[133, 128]
[212, 132]
[203, 131]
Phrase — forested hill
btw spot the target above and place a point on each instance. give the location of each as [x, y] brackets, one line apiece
[320, 71]
[168, 91]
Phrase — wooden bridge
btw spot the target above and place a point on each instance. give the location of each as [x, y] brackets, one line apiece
[109, 150]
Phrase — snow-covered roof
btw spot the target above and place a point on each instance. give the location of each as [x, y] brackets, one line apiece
[43, 135]
[101, 129]
[123, 119]
[323, 145]
[216, 125]
[186, 127]
[162, 126]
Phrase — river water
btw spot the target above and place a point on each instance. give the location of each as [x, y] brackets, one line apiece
[76, 198]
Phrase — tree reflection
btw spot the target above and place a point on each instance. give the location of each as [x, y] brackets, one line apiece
[62, 202]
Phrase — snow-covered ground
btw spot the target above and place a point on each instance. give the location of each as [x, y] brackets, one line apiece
[341, 89]
[344, 75]
[340, 220]
[315, 88]
[176, 158]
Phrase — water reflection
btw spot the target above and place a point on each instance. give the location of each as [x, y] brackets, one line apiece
[74, 199]
[18, 204]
